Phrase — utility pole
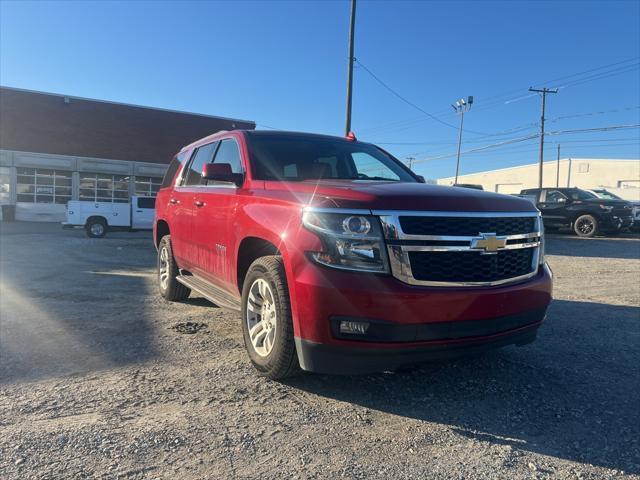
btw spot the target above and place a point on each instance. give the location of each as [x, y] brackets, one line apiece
[410, 161]
[544, 92]
[558, 169]
[352, 28]
[461, 106]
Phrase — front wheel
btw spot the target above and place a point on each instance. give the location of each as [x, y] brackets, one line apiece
[267, 324]
[586, 226]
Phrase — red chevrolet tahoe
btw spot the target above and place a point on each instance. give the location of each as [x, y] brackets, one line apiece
[340, 259]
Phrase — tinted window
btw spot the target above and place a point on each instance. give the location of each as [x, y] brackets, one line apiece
[577, 194]
[554, 196]
[301, 157]
[147, 202]
[174, 166]
[203, 155]
[229, 153]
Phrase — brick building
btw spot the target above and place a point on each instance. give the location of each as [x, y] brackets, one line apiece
[55, 148]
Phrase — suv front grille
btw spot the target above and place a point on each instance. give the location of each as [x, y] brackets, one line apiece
[462, 249]
[470, 266]
[464, 226]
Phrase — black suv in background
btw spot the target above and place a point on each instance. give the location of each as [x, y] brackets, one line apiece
[582, 211]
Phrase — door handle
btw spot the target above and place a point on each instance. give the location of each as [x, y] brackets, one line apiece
[173, 201]
[199, 203]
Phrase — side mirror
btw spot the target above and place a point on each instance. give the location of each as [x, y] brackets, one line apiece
[220, 172]
[562, 200]
[421, 179]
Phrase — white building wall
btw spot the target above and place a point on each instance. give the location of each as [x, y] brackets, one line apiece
[10, 161]
[621, 177]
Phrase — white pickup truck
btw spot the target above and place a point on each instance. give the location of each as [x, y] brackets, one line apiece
[99, 217]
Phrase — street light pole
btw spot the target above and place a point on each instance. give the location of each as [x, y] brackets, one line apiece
[459, 146]
[352, 27]
[461, 106]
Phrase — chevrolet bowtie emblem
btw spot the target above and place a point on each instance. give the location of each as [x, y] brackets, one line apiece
[488, 242]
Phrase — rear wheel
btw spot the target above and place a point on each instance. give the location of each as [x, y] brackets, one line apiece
[586, 226]
[267, 325]
[168, 272]
[96, 227]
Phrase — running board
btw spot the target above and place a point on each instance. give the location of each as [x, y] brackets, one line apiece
[211, 292]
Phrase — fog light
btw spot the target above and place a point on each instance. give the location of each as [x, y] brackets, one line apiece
[354, 328]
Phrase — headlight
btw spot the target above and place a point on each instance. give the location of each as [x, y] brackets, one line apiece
[352, 241]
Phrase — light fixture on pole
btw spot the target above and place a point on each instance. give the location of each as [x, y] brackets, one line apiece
[461, 106]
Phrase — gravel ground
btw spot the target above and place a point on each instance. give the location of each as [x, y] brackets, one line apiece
[101, 378]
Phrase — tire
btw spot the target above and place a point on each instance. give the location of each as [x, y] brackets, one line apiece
[96, 227]
[266, 308]
[586, 226]
[169, 287]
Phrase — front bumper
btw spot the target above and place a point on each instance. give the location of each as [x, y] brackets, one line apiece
[616, 222]
[408, 323]
[341, 360]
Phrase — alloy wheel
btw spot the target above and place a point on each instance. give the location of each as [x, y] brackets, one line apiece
[261, 317]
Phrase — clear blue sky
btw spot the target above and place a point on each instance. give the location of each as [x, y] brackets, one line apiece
[283, 64]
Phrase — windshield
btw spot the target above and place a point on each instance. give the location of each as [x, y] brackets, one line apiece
[299, 157]
[606, 195]
[579, 194]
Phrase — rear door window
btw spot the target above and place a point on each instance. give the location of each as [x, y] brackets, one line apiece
[147, 202]
[177, 161]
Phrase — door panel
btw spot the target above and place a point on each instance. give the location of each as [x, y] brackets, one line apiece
[143, 212]
[180, 207]
[212, 229]
[209, 232]
[554, 211]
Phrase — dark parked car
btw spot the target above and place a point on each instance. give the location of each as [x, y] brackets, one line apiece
[582, 211]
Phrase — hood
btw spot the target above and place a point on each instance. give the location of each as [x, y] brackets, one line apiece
[361, 194]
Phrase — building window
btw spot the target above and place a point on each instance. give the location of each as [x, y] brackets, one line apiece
[42, 185]
[99, 187]
[147, 186]
[583, 168]
[5, 185]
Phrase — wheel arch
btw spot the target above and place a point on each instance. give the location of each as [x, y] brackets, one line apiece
[162, 229]
[249, 250]
[96, 217]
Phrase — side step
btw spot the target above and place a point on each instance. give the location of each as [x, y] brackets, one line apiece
[210, 292]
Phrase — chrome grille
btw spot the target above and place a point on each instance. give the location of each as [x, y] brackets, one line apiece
[462, 248]
[462, 226]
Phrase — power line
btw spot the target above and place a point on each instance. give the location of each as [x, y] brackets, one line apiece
[500, 99]
[529, 137]
[408, 102]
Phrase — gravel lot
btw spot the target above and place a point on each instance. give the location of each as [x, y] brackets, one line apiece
[100, 379]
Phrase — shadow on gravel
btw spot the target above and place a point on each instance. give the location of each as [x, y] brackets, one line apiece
[626, 246]
[572, 394]
[70, 304]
